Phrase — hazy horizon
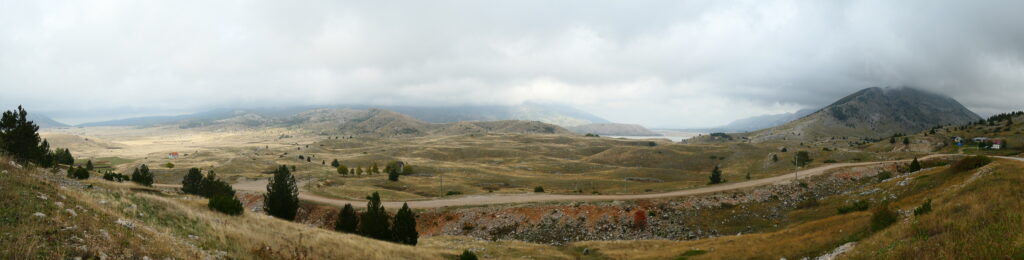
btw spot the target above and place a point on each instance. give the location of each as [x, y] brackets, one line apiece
[688, 64]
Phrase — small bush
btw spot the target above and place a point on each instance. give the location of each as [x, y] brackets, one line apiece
[538, 189]
[883, 217]
[807, 203]
[829, 161]
[169, 165]
[110, 176]
[467, 255]
[226, 204]
[971, 162]
[884, 175]
[860, 205]
[453, 192]
[924, 208]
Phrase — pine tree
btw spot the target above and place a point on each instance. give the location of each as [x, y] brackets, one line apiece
[374, 222]
[915, 165]
[211, 186]
[192, 183]
[374, 169]
[405, 226]
[342, 169]
[88, 165]
[335, 163]
[142, 176]
[892, 140]
[348, 221]
[906, 140]
[20, 139]
[716, 176]
[393, 175]
[802, 158]
[282, 198]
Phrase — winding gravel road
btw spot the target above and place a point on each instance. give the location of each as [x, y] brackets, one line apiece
[492, 199]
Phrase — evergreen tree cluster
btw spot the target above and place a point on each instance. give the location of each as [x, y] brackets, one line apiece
[19, 138]
[375, 222]
[221, 195]
[142, 176]
[1005, 116]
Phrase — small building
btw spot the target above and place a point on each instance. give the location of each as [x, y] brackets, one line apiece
[980, 139]
[997, 144]
[172, 155]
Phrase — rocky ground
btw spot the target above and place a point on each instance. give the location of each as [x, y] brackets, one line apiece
[685, 218]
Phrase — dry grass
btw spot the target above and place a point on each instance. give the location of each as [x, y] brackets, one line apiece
[166, 225]
[90, 232]
[980, 220]
[471, 164]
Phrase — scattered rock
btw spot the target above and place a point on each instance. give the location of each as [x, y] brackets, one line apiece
[39, 214]
[837, 252]
[586, 251]
[72, 212]
[126, 223]
[5, 172]
[59, 204]
[193, 237]
[43, 196]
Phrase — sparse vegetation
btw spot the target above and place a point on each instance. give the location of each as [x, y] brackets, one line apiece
[882, 217]
[467, 255]
[860, 205]
[924, 208]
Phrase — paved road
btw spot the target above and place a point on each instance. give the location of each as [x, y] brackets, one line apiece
[491, 199]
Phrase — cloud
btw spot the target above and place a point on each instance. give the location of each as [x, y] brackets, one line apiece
[662, 64]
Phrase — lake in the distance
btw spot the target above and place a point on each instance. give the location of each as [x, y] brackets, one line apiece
[675, 136]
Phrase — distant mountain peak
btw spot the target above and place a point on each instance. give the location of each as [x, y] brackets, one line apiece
[876, 112]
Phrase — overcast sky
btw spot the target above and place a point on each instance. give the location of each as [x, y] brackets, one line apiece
[656, 63]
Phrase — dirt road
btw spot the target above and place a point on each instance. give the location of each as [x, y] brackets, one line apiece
[476, 200]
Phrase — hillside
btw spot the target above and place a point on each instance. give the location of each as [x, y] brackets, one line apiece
[612, 129]
[874, 113]
[47, 216]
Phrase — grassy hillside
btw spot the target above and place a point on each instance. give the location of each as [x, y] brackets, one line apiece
[97, 218]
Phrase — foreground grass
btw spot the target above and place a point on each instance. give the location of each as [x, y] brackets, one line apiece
[40, 221]
[161, 226]
[979, 219]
